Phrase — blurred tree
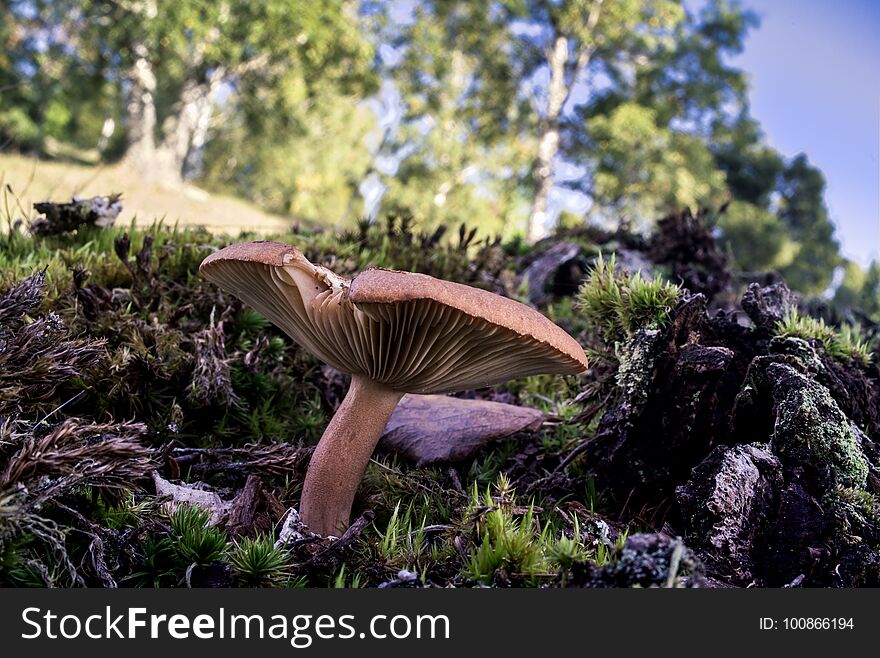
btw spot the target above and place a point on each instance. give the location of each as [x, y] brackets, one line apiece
[752, 169]
[860, 288]
[643, 170]
[802, 208]
[784, 209]
[175, 59]
[294, 155]
[450, 160]
[758, 239]
[592, 83]
[18, 111]
[579, 39]
[42, 89]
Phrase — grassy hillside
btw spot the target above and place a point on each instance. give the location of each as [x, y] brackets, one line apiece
[33, 180]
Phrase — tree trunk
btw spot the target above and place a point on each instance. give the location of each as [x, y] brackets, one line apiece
[548, 146]
[141, 113]
[187, 127]
[563, 76]
[193, 164]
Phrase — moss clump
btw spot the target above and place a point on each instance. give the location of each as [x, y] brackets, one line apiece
[812, 431]
[844, 344]
[257, 562]
[507, 544]
[857, 510]
[620, 303]
[627, 314]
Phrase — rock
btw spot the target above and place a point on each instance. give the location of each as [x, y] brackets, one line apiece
[646, 560]
[696, 360]
[405, 578]
[293, 530]
[725, 504]
[435, 429]
[556, 272]
[812, 432]
[804, 351]
[768, 305]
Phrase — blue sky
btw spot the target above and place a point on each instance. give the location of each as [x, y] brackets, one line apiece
[815, 87]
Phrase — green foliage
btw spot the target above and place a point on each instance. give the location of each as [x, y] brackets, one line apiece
[806, 327]
[341, 581]
[620, 304]
[258, 563]
[860, 288]
[641, 138]
[306, 127]
[305, 161]
[567, 551]
[195, 540]
[403, 544]
[759, 240]
[850, 345]
[506, 542]
[752, 168]
[803, 209]
[646, 170]
[845, 344]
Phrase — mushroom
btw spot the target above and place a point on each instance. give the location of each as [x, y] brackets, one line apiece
[395, 333]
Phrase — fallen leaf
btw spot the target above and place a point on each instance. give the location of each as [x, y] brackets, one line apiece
[183, 494]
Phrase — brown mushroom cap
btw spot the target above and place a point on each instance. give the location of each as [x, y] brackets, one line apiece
[411, 332]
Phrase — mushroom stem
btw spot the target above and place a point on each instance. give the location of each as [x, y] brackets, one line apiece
[342, 454]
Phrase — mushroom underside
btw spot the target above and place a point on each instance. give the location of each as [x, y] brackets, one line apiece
[415, 346]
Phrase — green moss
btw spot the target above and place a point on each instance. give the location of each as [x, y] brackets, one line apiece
[636, 356]
[508, 542]
[197, 542]
[858, 510]
[803, 350]
[620, 303]
[256, 562]
[845, 344]
[851, 346]
[813, 431]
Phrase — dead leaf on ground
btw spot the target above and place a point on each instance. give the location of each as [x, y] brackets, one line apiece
[184, 494]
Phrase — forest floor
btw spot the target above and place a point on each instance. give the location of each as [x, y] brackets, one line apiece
[155, 431]
[35, 180]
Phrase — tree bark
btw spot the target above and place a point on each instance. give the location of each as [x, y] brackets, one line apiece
[141, 112]
[193, 164]
[185, 130]
[563, 76]
[187, 127]
[548, 145]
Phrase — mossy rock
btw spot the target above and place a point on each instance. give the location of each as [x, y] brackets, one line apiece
[811, 430]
